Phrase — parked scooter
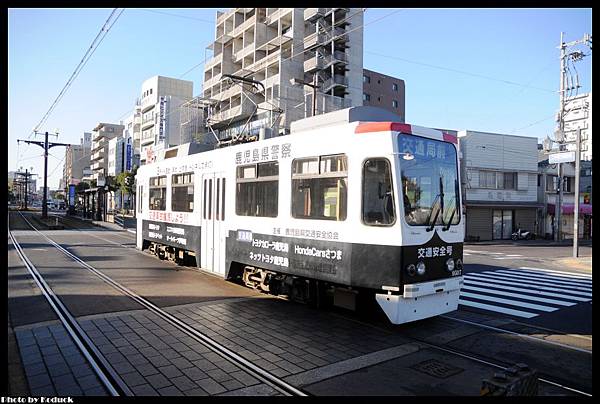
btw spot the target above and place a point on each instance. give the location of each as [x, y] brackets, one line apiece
[522, 235]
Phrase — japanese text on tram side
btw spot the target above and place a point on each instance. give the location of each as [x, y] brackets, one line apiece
[430, 252]
[328, 235]
[266, 153]
[170, 217]
[270, 259]
[199, 165]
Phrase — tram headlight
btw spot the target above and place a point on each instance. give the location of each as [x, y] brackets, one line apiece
[459, 264]
[450, 264]
[420, 267]
[411, 269]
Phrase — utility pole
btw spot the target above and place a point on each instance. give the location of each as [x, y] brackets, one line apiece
[576, 205]
[45, 145]
[24, 184]
[560, 133]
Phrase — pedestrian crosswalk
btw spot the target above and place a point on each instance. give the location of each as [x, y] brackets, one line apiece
[493, 255]
[525, 292]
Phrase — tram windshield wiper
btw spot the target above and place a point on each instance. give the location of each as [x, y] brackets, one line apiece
[456, 203]
[441, 208]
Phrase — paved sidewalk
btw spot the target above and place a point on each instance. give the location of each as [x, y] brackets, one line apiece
[579, 263]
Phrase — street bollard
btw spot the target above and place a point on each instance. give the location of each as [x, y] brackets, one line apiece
[517, 380]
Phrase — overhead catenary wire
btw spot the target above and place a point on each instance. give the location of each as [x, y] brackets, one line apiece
[86, 57]
[461, 72]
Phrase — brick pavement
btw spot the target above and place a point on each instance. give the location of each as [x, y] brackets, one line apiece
[53, 363]
[155, 358]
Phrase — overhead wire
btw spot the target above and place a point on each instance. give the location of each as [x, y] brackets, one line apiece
[460, 71]
[86, 57]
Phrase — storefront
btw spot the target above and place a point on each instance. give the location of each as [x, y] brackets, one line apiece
[567, 218]
[496, 221]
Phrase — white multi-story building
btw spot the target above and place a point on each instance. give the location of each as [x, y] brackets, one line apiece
[159, 108]
[579, 116]
[101, 134]
[272, 46]
[499, 176]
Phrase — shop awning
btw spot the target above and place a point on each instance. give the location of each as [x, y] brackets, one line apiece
[569, 208]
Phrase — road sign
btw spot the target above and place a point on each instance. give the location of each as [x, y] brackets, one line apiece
[562, 157]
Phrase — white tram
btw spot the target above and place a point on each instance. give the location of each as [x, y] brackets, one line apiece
[342, 207]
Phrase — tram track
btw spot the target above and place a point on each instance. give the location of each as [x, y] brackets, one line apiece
[79, 334]
[273, 381]
[484, 326]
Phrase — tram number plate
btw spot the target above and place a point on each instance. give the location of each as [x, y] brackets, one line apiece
[456, 272]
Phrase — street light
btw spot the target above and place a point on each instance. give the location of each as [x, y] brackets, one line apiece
[294, 81]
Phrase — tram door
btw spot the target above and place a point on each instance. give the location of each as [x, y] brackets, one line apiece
[213, 213]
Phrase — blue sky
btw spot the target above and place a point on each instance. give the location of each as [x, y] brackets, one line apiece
[439, 53]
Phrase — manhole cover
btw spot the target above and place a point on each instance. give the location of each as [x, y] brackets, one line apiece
[435, 368]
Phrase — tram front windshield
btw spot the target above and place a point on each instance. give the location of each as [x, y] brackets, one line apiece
[429, 181]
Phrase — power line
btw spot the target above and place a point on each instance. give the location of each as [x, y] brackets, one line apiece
[86, 57]
[460, 71]
[177, 15]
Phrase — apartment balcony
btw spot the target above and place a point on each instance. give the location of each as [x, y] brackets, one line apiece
[242, 53]
[212, 81]
[222, 16]
[311, 14]
[230, 92]
[239, 30]
[315, 63]
[336, 81]
[271, 81]
[97, 166]
[278, 40]
[337, 34]
[277, 14]
[314, 39]
[240, 111]
[215, 60]
[97, 156]
[147, 123]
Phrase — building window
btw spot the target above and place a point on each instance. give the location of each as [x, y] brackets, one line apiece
[182, 192]
[319, 187]
[394, 87]
[366, 97]
[378, 195]
[366, 79]
[539, 180]
[510, 181]
[487, 179]
[158, 193]
[395, 104]
[257, 190]
[551, 183]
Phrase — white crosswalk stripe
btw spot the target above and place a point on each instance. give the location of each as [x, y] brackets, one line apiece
[526, 292]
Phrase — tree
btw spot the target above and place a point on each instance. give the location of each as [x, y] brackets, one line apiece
[125, 181]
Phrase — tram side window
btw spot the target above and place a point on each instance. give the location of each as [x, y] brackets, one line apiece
[319, 187]
[378, 195]
[182, 192]
[257, 190]
[158, 193]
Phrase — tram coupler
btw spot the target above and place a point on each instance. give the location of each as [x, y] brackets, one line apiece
[517, 380]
